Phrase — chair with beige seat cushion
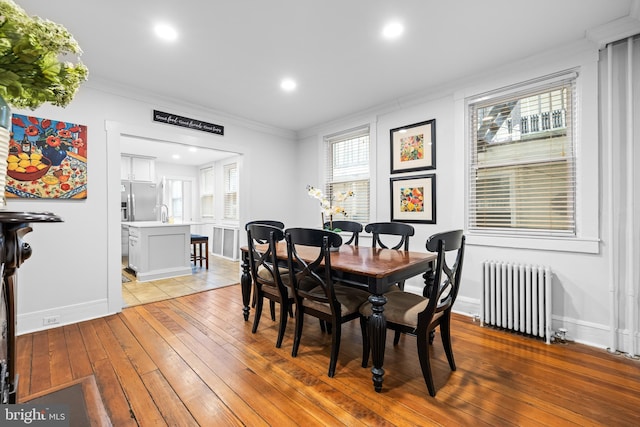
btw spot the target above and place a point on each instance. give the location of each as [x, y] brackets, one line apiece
[270, 281]
[419, 315]
[273, 223]
[315, 292]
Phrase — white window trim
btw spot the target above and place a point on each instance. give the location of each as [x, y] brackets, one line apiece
[373, 159]
[587, 169]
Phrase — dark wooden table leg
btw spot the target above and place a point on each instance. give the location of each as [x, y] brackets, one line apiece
[378, 338]
[245, 284]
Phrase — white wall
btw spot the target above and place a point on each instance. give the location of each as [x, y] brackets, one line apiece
[580, 294]
[74, 271]
[75, 268]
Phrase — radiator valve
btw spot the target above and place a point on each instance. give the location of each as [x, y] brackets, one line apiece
[561, 335]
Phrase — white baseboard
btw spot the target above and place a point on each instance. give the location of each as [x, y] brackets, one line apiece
[588, 333]
[65, 315]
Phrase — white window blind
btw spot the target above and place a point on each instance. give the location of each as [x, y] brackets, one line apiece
[348, 170]
[206, 192]
[231, 191]
[522, 160]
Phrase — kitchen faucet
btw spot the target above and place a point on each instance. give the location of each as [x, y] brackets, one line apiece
[164, 213]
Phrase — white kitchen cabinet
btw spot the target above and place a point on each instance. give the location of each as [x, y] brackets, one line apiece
[125, 240]
[134, 168]
[159, 250]
[135, 253]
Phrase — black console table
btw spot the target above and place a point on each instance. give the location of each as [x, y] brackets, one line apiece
[13, 252]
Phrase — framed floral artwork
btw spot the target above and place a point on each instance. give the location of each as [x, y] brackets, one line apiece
[413, 199]
[413, 147]
[47, 159]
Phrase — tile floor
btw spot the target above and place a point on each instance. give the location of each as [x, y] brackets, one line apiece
[221, 272]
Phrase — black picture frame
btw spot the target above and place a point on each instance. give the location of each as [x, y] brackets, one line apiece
[413, 147]
[405, 191]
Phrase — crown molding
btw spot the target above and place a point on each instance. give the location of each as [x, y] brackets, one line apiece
[130, 92]
[617, 30]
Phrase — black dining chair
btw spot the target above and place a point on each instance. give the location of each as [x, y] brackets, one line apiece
[353, 227]
[400, 230]
[391, 235]
[315, 292]
[273, 223]
[269, 279]
[418, 315]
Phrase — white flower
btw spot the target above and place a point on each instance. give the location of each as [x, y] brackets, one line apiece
[329, 209]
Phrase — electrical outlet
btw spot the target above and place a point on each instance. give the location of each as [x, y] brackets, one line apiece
[51, 320]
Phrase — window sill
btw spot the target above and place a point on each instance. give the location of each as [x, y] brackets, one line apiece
[580, 245]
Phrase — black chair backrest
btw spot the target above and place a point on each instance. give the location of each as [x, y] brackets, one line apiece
[315, 272]
[347, 226]
[390, 229]
[264, 257]
[270, 222]
[447, 276]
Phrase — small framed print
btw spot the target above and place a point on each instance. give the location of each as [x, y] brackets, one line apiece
[413, 147]
[413, 199]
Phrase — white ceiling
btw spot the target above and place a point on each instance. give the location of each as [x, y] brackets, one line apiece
[231, 54]
[166, 152]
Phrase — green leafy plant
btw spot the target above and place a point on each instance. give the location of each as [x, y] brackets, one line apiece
[32, 66]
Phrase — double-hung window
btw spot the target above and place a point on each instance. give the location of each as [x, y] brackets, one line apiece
[348, 170]
[522, 177]
[206, 192]
[231, 191]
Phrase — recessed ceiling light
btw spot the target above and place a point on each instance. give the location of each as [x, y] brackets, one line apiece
[392, 30]
[193, 149]
[288, 85]
[165, 32]
[176, 156]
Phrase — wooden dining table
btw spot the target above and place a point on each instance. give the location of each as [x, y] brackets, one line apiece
[373, 269]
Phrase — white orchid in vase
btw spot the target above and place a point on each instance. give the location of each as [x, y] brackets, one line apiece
[329, 206]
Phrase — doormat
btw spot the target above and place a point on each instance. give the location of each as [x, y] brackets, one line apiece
[82, 397]
[71, 396]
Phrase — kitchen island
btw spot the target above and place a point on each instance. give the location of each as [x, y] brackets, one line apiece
[159, 250]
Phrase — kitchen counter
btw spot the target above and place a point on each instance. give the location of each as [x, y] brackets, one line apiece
[144, 224]
[159, 250]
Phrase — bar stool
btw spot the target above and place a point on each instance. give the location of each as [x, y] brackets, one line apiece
[197, 240]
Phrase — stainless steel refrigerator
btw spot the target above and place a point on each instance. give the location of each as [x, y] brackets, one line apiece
[139, 201]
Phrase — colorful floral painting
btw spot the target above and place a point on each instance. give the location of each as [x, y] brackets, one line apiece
[412, 148]
[412, 199]
[47, 159]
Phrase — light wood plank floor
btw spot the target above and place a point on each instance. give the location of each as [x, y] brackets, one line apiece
[221, 272]
[194, 361]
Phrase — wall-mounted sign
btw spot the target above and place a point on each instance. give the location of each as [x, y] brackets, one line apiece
[185, 122]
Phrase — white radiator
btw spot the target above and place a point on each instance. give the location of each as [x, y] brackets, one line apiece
[225, 242]
[517, 297]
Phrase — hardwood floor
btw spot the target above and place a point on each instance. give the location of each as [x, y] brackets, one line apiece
[192, 360]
